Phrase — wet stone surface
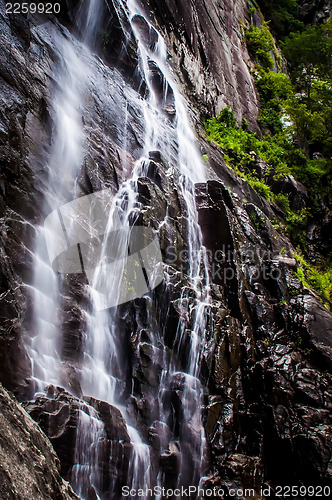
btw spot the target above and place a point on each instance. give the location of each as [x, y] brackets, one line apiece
[267, 350]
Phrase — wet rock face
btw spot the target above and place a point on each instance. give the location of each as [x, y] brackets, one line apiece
[58, 414]
[314, 322]
[29, 466]
[267, 351]
[268, 396]
[30, 62]
[270, 388]
[208, 54]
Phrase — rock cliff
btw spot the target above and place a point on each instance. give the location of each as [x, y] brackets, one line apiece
[29, 467]
[267, 352]
[209, 55]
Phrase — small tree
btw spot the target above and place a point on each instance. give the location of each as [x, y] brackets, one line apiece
[309, 55]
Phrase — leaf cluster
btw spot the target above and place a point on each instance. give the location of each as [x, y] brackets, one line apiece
[317, 277]
[260, 45]
[283, 16]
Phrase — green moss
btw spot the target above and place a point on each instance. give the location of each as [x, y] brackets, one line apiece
[260, 44]
[317, 277]
[282, 200]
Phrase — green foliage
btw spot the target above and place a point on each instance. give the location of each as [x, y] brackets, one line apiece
[283, 15]
[244, 125]
[238, 143]
[318, 278]
[282, 200]
[251, 11]
[280, 154]
[302, 103]
[296, 121]
[260, 44]
[309, 55]
[276, 150]
[273, 85]
[274, 90]
[296, 223]
[308, 126]
[226, 118]
[260, 187]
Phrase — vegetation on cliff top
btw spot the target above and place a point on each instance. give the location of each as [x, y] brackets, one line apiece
[296, 125]
[283, 16]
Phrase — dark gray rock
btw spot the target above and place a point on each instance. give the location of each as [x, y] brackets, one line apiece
[296, 191]
[315, 325]
[267, 350]
[29, 465]
[207, 52]
[58, 413]
[316, 12]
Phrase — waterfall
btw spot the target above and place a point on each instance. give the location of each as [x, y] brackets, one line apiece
[168, 130]
[72, 77]
[178, 147]
[85, 477]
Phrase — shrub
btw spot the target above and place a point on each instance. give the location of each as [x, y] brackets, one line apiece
[261, 188]
[260, 44]
[274, 90]
[319, 278]
[294, 126]
[282, 200]
[273, 85]
[283, 15]
[296, 223]
[283, 157]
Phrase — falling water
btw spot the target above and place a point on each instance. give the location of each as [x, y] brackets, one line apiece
[101, 375]
[178, 146]
[72, 79]
[85, 475]
[62, 171]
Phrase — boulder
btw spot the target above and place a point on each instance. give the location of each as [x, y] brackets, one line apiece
[29, 465]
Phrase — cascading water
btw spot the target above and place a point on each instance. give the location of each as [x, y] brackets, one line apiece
[62, 172]
[168, 131]
[177, 145]
[85, 476]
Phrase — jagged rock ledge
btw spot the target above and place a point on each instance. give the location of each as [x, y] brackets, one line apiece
[29, 467]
